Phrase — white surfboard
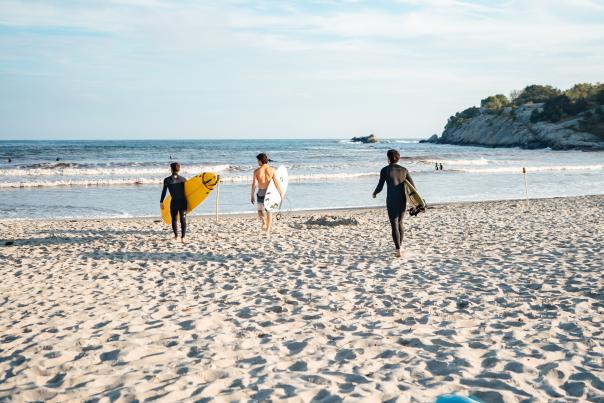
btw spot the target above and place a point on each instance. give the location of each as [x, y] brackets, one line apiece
[272, 200]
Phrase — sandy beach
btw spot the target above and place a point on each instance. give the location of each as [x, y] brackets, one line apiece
[492, 300]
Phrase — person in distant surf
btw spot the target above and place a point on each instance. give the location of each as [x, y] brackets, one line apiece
[263, 175]
[394, 176]
[178, 205]
[441, 166]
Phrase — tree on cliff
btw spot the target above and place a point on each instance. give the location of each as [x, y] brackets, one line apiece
[554, 109]
[495, 103]
[585, 91]
[536, 94]
[462, 116]
[514, 94]
[578, 99]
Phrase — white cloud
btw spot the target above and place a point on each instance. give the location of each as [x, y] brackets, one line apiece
[299, 58]
[444, 22]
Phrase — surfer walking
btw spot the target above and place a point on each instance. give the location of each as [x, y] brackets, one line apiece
[178, 205]
[263, 175]
[394, 175]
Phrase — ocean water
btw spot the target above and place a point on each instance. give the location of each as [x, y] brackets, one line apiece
[94, 179]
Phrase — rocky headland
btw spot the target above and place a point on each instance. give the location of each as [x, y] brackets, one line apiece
[538, 117]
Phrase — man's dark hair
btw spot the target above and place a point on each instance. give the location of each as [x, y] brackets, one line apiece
[175, 167]
[263, 158]
[393, 156]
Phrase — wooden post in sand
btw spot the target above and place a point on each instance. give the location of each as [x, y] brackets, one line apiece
[525, 187]
[217, 196]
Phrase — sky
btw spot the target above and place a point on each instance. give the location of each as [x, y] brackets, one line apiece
[217, 69]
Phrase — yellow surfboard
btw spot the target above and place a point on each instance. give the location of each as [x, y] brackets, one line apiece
[197, 189]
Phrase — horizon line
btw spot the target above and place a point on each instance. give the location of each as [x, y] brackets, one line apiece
[207, 139]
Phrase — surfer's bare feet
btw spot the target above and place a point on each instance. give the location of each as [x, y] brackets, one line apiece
[182, 240]
[175, 238]
[398, 253]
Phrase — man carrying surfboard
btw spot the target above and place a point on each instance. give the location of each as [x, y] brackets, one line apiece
[394, 176]
[263, 175]
[178, 205]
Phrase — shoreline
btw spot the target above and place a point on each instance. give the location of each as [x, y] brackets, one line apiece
[326, 210]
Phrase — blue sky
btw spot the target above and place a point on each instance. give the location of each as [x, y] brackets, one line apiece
[279, 68]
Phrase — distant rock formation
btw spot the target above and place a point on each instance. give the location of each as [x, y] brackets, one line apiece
[372, 138]
[539, 116]
[513, 128]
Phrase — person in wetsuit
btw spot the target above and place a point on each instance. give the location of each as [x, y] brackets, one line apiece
[178, 205]
[394, 176]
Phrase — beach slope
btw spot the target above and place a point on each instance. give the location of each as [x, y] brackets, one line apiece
[492, 299]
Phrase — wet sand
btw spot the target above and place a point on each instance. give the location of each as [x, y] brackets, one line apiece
[491, 299]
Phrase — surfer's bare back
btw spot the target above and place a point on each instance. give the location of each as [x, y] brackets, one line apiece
[263, 176]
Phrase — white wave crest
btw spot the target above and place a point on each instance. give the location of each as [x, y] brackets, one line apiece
[78, 182]
[479, 161]
[529, 169]
[304, 177]
[86, 182]
[113, 171]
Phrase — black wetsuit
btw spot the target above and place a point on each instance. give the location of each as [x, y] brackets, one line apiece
[178, 205]
[396, 202]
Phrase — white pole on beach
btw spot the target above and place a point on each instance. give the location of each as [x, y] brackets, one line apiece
[525, 187]
[217, 196]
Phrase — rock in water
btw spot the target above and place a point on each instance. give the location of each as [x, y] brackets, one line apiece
[372, 138]
[432, 139]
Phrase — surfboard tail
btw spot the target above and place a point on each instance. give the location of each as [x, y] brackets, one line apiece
[415, 202]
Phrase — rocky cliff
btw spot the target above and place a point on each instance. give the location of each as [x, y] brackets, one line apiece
[513, 128]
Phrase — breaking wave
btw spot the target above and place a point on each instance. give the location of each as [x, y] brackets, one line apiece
[479, 161]
[529, 169]
[64, 169]
[137, 181]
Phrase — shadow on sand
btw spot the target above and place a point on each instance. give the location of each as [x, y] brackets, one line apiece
[182, 256]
